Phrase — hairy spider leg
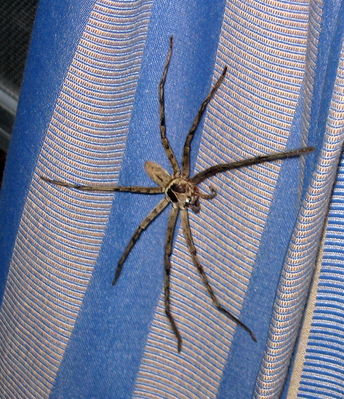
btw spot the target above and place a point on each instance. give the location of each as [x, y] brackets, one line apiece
[196, 262]
[143, 225]
[224, 167]
[103, 188]
[190, 135]
[198, 178]
[164, 140]
[172, 220]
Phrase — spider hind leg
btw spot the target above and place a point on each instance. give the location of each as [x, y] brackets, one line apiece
[193, 252]
[167, 291]
[143, 225]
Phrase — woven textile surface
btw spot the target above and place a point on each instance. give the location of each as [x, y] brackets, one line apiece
[89, 114]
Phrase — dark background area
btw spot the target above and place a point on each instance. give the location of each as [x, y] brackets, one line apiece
[16, 20]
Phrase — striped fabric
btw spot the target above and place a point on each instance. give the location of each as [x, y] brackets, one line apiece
[318, 367]
[65, 332]
[229, 230]
[298, 270]
[61, 232]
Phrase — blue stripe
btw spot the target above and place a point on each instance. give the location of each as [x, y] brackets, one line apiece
[113, 321]
[53, 21]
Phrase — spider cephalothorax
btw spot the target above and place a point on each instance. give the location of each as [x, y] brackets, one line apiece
[183, 194]
[181, 191]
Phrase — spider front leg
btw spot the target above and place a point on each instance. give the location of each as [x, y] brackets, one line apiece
[103, 188]
[164, 140]
[192, 249]
[189, 137]
[224, 167]
[167, 282]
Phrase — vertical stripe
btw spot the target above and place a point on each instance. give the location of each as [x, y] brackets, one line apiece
[61, 230]
[319, 357]
[299, 266]
[264, 48]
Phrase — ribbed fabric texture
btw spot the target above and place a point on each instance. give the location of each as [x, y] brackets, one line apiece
[65, 332]
[318, 366]
[265, 69]
[61, 231]
[298, 270]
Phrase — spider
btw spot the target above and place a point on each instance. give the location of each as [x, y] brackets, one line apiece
[182, 192]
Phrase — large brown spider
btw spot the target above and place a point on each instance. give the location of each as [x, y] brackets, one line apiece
[181, 191]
